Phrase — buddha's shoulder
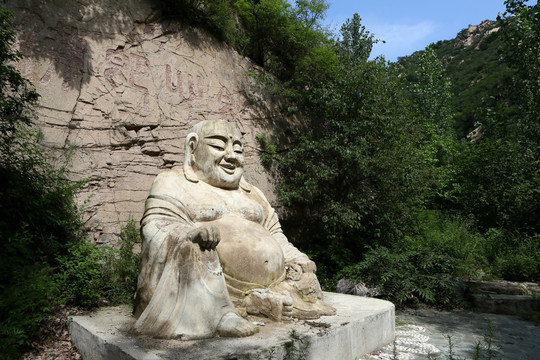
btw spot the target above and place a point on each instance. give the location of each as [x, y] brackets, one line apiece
[253, 191]
[173, 177]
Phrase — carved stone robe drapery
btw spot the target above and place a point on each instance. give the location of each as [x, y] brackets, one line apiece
[182, 290]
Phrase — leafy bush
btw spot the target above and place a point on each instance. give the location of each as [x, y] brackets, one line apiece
[79, 274]
[455, 236]
[25, 301]
[90, 273]
[268, 150]
[423, 267]
[408, 276]
[121, 267]
[514, 257]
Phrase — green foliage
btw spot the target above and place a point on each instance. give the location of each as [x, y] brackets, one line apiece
[25, 301]
[408, 276]
[521, 50]
[216, 16]
[476, 74]
[496, 181]
[340, 174]
[296, 348]
[289, 41]
[286, 40]
[38, 216]
[356, 41]
[46, 258]
[487, 349]
[16, 93]
[514, 257]
[79, 274]
[121, 268]
[430, 96]
[455, 237]
[422, 268]
[498, 174]
[268, 150]
[89, 273]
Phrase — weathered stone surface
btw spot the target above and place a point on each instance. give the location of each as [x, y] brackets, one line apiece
[348, 286]
[503, 287]
[123, 88]
[360, 326]
[213, 250]
[503, 297]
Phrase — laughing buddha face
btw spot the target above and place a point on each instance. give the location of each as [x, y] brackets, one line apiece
[217, 154]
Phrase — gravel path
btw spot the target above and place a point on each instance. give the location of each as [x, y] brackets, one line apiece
[423, 334]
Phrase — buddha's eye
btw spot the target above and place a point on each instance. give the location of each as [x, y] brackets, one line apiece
[218, 147]
[238, 149]
[216, 144]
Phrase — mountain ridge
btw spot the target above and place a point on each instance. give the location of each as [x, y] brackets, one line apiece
[474, 68]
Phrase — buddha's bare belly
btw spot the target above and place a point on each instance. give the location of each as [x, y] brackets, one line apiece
[248, 252]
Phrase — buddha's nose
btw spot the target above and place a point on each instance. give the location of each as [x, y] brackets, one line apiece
[229, 153]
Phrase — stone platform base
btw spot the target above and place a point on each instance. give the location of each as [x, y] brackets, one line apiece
[360, 326]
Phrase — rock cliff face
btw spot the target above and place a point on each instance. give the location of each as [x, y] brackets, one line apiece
[123, 88]
[474, 33]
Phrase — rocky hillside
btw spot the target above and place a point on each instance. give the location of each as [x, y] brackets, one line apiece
[473, 66]
[122, 88]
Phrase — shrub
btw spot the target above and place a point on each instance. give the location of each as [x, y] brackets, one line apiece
[454, 236]
[518, 259]
[90, 273]
[25, 302]
[79, 274]
[422, 268]
[267, 151]
[121, 268]
[408, 276]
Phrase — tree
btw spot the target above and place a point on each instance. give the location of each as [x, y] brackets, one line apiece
[430, 95]
[521, 31]
[352, 177]
[38, 215]
[284, 39]
[499, 173]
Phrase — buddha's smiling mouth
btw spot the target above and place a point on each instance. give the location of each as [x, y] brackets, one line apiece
[228, 168]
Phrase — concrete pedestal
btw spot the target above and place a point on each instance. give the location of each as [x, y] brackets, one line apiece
[360, 326]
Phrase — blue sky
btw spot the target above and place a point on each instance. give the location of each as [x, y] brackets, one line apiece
[411, 25]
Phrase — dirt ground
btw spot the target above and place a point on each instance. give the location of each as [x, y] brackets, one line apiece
[54, 342]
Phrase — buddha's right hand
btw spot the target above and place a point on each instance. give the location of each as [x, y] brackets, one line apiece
[206, 236]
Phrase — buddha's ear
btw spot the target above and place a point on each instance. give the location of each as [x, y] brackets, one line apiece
[192, 140]
[244, 185]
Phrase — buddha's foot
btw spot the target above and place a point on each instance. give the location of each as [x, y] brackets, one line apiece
[232, 325]
[308, 311]
[275, 306]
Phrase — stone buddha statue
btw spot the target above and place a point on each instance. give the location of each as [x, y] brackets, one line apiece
[213, 251]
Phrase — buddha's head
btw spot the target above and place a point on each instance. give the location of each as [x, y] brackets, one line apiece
[214, 154]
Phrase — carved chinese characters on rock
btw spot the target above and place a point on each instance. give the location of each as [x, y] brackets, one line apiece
[188, 87]
[129, 71]
[136, 82]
